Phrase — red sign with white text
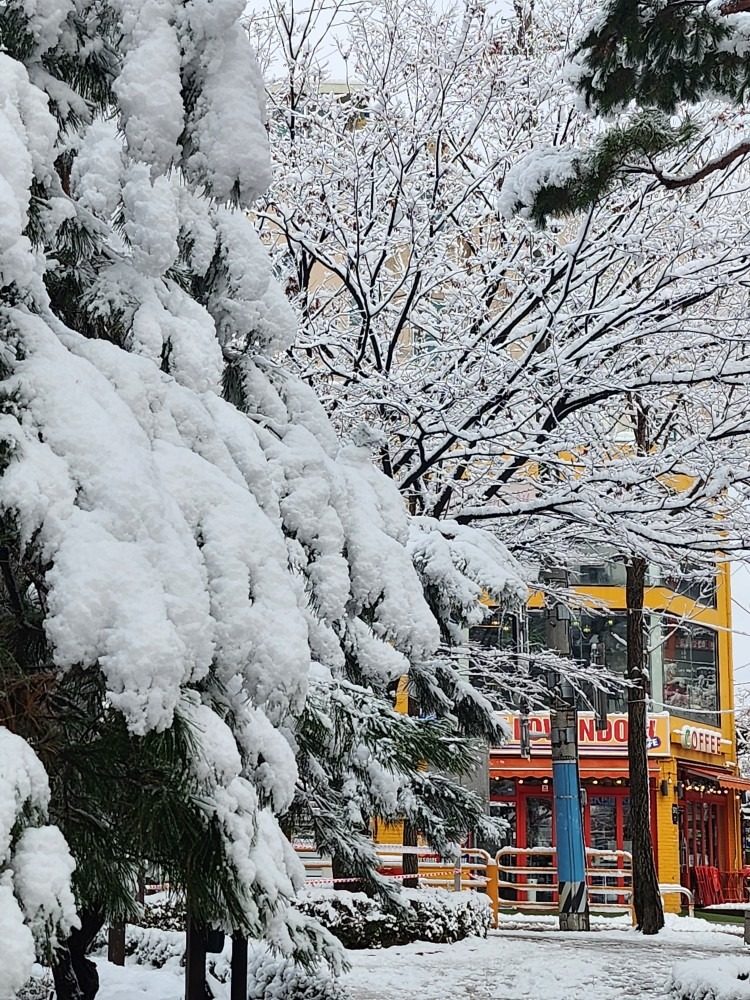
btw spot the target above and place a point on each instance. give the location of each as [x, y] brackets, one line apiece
[613, 741]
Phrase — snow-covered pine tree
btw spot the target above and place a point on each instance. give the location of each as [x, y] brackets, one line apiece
[175, 568]
[360, 759]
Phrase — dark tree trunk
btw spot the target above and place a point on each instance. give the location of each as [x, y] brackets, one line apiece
[75, 976]
[343, 874]
[238, 988]
[116, 944]
[649, 915]
[410, 862]
[195, 961]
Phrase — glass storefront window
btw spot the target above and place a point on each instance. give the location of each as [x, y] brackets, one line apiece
[690, 670]
[539, 834]
[495, 670]
[611, 630]
[497, 631]
[603, 815]
[603, 820]
[505, 811]
[627, 833]
[538, 822]
[598, 573]
[689, 581]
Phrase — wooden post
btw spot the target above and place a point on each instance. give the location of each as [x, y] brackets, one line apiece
[238, 988]
[116, 944]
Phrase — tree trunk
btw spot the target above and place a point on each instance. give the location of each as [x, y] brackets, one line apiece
[195, 961]
[238, 987]
[410, 862]
[649, 915]
[75, 975]
[344, 875]
[116, 944]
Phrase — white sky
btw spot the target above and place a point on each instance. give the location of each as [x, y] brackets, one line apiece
[741, 625]
[328, 38]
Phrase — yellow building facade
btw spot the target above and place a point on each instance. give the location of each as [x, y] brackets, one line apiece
[694, 777]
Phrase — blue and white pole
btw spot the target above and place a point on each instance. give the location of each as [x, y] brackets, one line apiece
[573, 905]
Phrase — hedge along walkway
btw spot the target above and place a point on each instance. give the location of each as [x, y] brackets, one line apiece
[540, 964]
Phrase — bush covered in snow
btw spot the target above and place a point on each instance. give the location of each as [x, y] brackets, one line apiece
[724, 978]
[270, 976]
[165, 912]
[424, 915]
[273, 978]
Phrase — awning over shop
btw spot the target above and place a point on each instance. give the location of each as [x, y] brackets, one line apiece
[730, 781]
[715, 774]
[542, 768]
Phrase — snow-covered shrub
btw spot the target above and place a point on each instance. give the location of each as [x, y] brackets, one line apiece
[271, 976]
[360, 921]
[38, 987]
[167, 913]
[37, 908]
[153, 946]
[726, 977]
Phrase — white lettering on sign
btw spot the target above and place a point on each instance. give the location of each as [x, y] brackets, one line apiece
[705, 740]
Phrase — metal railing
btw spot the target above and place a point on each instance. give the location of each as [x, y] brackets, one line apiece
[474, 869]
[522, 880]
[670, 888]
[517, 878]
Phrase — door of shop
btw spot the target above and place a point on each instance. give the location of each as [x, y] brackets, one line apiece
[702, 817]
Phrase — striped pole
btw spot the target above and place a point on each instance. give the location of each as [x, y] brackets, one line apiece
[573, 905]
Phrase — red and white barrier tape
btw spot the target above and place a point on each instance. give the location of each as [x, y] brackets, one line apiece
[425, 876]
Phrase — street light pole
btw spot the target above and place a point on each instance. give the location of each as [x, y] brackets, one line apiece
[573, 906]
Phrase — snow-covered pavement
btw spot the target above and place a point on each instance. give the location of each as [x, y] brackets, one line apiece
[538, 963]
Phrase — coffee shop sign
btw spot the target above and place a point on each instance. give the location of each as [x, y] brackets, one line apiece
[694, 738]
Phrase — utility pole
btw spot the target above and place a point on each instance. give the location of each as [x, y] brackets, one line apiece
[573, 904]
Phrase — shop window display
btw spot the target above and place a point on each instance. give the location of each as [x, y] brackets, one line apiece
[690, 670]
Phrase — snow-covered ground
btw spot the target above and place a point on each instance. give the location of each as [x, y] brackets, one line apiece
[536, 962]
[527, 960]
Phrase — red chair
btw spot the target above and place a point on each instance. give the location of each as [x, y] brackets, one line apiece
[732, 885]
[708, 885]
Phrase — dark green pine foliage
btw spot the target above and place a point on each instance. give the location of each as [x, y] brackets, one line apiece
[624, 149]
[123, 801]
[359, 759]
[659, 57]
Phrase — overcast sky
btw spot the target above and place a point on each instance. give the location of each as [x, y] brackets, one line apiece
[741, 624]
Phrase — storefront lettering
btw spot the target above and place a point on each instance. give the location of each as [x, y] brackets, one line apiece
[613, 738]
[704, 740]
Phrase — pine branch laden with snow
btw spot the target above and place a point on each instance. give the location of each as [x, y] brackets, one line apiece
[37, 908]
[184, 539]
[498, 365]
[646, 68]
